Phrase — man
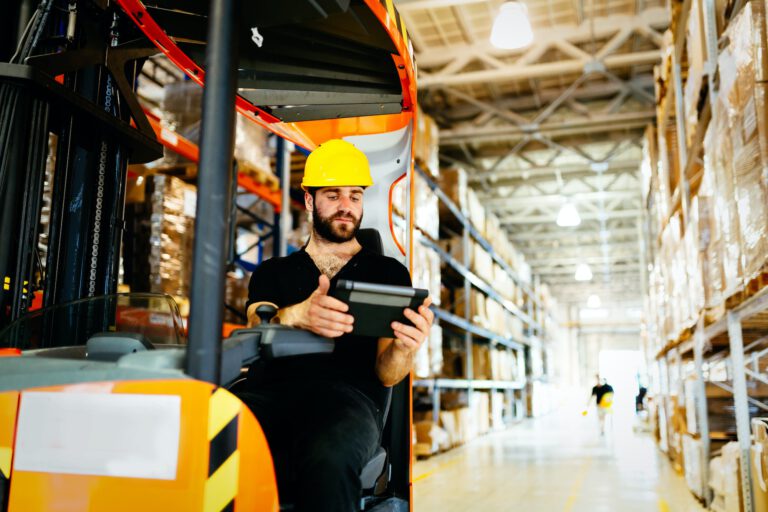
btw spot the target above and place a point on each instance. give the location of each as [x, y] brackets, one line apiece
[603, 394]
[322, 415]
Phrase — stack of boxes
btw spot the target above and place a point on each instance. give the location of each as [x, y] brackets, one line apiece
[426, 262]
[718, 256]
[159, 235]
[160, 208]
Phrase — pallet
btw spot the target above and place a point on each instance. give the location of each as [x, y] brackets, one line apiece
[714, 313]
[426, 168]
[183, 170]
[757, 283]
[260, 176]
[735, 298]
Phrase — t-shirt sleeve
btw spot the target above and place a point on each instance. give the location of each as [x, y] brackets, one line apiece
[263, 286]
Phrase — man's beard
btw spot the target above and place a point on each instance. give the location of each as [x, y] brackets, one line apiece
[326, 229]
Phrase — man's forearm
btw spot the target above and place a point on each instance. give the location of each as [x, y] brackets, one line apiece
[393, 365]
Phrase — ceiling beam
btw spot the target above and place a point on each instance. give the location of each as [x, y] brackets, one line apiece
[535, 238]
[544, 177]
[517, 202]
[602, 28]
[540, 264]
[591, 90]
[597, 271]
[568, 284]
[537, 172]
[554, 129]
[542, 70]
[533, 253]
[538, 219]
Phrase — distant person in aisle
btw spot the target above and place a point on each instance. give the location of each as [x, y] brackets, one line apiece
[323, 415]
[640, 398]
[602, 392]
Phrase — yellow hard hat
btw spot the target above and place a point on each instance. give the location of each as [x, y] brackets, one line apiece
[337, 163]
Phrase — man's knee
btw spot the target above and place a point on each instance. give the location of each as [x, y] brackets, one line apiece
[324, 458]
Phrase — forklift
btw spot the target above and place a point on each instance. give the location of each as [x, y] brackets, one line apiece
[105, 403]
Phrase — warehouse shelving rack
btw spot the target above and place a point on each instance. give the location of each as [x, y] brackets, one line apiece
[739, 337]
[708, 345]
[515, 391]
[245, 185]
[689, 155]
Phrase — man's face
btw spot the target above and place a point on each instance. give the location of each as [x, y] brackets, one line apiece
[336, 212]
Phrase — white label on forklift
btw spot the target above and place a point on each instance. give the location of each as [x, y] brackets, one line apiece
[121, 435]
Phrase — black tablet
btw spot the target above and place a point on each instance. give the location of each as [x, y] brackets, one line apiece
[376, 306]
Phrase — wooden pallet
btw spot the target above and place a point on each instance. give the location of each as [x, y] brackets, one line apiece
[757, 283]
[260, 176]
[714, 313]
[735, 298]
[183, 170]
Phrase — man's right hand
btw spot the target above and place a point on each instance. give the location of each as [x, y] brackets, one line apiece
[320, 313]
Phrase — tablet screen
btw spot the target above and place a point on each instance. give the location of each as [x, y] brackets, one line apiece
[375, 306]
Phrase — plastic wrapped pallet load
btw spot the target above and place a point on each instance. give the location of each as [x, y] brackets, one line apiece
[476, 210]
[421, 368]
[159, 237]
[426, 214]
[426, 143]
[759, 460]
[426, 269]
[710, 240]
[497, 410]
[453, 181]
[693, 270]
[693, 456]
[746, 103]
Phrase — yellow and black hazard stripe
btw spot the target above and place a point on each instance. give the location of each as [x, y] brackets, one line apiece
[6, 455]
[224, 458]
[401, 28]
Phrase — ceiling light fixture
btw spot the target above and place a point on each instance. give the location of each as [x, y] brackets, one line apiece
[512, 28]
[594, 301]
[583, 272]
[568, 216]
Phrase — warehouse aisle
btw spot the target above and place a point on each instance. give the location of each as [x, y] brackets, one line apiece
[558, 463]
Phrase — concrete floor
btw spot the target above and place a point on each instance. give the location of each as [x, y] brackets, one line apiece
[557, 463]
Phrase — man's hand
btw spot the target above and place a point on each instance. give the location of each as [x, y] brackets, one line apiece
[395, 356]
[409, 338]
[320, 313]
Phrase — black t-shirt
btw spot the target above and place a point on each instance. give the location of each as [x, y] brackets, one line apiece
[292, 279]
[599, 391]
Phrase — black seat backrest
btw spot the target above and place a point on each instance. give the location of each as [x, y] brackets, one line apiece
[371, 240]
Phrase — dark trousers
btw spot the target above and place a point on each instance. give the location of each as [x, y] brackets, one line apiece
[321, 435]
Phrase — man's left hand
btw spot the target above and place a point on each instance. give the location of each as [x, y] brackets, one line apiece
[409, 338]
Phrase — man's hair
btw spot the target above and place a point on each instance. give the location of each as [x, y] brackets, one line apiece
[312, 191]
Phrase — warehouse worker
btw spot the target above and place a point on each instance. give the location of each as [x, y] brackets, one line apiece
[322, 415]
[603, 394]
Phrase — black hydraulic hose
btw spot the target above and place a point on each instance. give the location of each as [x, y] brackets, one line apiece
[216, 151]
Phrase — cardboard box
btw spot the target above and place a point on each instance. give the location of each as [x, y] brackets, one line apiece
[759, 460]
[498, 406]
[481, 362]
[453, 181]
[426, 143]
[430, 438]
[693, 457]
